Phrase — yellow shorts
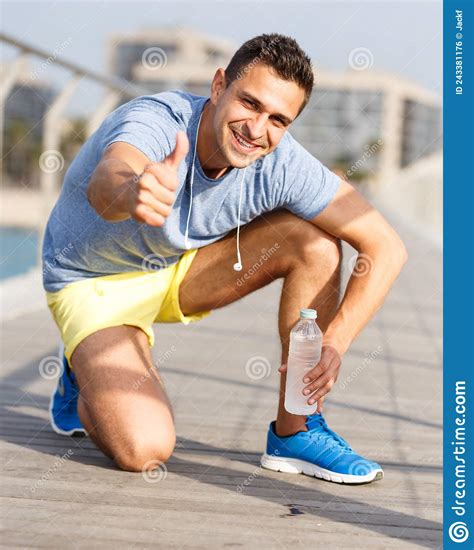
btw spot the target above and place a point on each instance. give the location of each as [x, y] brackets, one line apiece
[138, 298]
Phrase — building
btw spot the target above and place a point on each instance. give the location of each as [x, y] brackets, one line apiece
[168, 58]
[369, 124]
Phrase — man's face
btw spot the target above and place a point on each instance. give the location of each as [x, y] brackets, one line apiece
[253, 113]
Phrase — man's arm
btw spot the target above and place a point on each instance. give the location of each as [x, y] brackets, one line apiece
[127, 184]
[382, 254]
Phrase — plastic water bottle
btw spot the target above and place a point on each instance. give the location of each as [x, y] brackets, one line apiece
[306, 341]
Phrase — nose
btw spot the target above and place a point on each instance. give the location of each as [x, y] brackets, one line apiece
[256, 126]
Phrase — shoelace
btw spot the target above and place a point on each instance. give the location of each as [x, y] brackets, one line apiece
[318, 429]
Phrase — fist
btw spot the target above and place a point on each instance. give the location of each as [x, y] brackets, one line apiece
[153, 192]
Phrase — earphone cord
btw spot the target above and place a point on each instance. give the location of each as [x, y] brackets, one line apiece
[238, 264]
[187, 244]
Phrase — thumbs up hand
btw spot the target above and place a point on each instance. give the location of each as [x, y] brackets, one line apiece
[154, 190]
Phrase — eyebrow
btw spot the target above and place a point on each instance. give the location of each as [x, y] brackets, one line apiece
[286, 120]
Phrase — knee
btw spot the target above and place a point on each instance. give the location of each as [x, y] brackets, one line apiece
[316, 249]
[145, 454]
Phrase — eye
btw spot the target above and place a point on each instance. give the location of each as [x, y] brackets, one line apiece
[250, 104]
[279, 122]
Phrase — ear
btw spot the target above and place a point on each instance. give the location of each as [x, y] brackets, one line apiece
[218, 85]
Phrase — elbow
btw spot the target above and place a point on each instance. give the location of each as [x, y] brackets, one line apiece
[95, 192]
[404, 254]
[399, 252]
[92, 196]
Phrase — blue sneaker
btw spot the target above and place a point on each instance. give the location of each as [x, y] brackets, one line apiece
[319, 452]
[63, 405]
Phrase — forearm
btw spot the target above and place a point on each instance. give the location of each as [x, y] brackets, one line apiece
[365, 292]
[109, 189]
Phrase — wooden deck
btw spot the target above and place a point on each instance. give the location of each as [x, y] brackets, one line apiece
[60, 492]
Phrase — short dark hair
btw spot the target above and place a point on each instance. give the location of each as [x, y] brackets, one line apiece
[281, 53]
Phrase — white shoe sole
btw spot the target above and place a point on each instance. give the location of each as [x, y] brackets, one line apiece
[295, 466]
[58, 430]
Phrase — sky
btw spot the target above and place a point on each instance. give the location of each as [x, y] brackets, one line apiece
[404, 37]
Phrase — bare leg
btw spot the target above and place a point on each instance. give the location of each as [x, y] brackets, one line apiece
[300, 288]
[307, 258]
[122, 404]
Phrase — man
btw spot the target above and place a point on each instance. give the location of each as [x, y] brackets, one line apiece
[147, 218]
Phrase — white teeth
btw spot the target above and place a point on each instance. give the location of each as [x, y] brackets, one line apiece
[242, 142]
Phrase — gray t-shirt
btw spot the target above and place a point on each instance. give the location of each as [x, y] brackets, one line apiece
[79, 244]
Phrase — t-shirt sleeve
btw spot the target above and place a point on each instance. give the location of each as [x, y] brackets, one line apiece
[308, 186]
[144, 123]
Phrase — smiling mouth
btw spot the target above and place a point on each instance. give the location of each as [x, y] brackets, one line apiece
[245, 144]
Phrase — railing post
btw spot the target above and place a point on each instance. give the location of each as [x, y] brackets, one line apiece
[51, 160]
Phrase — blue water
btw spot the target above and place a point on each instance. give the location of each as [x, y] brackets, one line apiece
[18, 251]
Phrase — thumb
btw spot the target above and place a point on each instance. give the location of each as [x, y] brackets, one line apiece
[181, 149]
[320, 405]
